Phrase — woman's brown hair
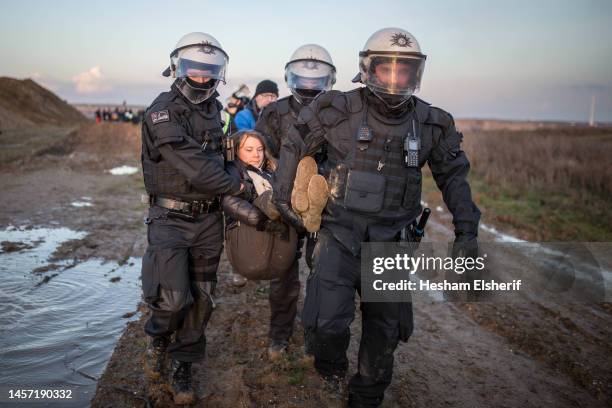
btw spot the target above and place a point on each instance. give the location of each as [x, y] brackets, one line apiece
[240, 137]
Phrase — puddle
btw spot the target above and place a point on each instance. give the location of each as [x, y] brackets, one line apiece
[60, 334]
[123, 170]
[40, 242]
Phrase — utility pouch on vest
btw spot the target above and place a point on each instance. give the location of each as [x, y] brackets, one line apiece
[364, 191]
[229, 149]
[163, 178]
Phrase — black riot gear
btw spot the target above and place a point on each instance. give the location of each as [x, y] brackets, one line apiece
[374, 155]
[184, 175]
[175, 133]
[275, 119]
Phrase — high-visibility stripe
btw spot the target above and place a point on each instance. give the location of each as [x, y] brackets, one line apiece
[226, 119]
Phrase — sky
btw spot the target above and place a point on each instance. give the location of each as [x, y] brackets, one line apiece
[524, 60]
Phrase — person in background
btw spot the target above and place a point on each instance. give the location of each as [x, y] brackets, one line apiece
[265, 93]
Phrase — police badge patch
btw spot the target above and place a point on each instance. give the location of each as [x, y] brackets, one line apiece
[160, 116]
[401, 40]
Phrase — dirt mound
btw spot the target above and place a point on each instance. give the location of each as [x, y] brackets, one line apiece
[25, 103]
[109, 139]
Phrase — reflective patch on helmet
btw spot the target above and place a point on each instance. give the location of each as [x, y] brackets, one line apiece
[160, 116]
[206, 47]
[310, 64]
[401, 40]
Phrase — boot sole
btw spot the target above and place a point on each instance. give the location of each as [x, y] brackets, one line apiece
[307, 168]
[318, 193]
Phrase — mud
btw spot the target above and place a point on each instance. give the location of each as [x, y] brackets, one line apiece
[462, 355]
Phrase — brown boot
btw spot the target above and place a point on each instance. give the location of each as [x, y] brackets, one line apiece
[307, 168]
[318, 193]
[155, 363]
[277, 349]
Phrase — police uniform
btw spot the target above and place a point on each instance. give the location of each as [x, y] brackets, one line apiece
[374, 195]
[184, 175]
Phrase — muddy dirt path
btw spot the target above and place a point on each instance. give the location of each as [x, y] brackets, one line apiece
[462, 355]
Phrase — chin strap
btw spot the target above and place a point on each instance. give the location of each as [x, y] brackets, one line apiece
[301, 100]
[391, 107]
[194, 95]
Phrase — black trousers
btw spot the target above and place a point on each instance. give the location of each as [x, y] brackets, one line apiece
[179, 273]
[329, 309]
[283, 296]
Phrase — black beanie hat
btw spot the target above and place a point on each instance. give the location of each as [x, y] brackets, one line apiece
[266, 86]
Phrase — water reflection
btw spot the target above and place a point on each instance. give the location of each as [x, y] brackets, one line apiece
[61, 333]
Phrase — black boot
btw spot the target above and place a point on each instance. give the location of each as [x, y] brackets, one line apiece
[181, 383]
[277, 349]
[155, 359]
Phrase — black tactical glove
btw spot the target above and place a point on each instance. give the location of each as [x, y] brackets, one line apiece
[248, 192]
[274, 227]
[287, 213]
[466, 246]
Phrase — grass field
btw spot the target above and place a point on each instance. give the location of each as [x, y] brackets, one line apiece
[545, 184]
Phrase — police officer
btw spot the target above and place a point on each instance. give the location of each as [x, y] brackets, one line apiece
[309, 72]
[184, 175]
[378, 137]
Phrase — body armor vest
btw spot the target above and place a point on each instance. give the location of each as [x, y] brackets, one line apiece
[286, 112]
[199, 123]
[374, 192]
[278, 122]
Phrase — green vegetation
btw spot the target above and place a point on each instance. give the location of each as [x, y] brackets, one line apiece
[543, 185]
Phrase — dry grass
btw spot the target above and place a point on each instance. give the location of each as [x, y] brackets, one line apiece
[552, 184]
[570, 160]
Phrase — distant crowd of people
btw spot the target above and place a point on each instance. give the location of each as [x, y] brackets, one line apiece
[122, 114]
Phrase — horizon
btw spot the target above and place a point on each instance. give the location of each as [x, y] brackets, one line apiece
[519, 61]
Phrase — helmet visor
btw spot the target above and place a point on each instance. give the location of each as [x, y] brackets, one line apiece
[395, 75]
[200, 61]
[310, 74]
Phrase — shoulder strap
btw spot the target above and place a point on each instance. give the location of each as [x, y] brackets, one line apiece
[354, 100]
[282, 106]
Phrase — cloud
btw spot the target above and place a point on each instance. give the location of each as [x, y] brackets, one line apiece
[91, 81]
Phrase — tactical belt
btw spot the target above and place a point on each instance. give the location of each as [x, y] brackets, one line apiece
[187, 208]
